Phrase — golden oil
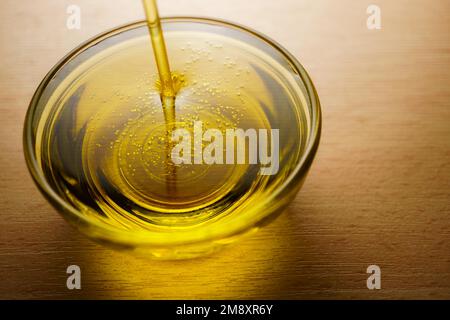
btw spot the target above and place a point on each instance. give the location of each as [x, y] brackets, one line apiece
[104, 146]
[167, 88]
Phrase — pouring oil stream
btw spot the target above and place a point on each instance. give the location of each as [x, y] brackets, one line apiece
[167, 89]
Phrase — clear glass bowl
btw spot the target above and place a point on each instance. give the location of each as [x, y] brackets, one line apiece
[203, 238]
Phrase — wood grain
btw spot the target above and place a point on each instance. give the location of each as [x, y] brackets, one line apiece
[378, 192]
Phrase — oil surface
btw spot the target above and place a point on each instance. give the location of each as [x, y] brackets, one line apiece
[104, 145]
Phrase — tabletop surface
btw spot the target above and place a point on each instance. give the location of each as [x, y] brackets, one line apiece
[377, 193]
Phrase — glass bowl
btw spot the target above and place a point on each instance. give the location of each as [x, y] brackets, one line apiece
[83, 74]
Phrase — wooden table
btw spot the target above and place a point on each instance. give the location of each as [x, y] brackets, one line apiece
[378, 192]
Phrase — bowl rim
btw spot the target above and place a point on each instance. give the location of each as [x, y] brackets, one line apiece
[103, 230]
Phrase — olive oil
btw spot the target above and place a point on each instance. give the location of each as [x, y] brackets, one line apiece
[168, 89]
[168, 86]
[106, 145]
